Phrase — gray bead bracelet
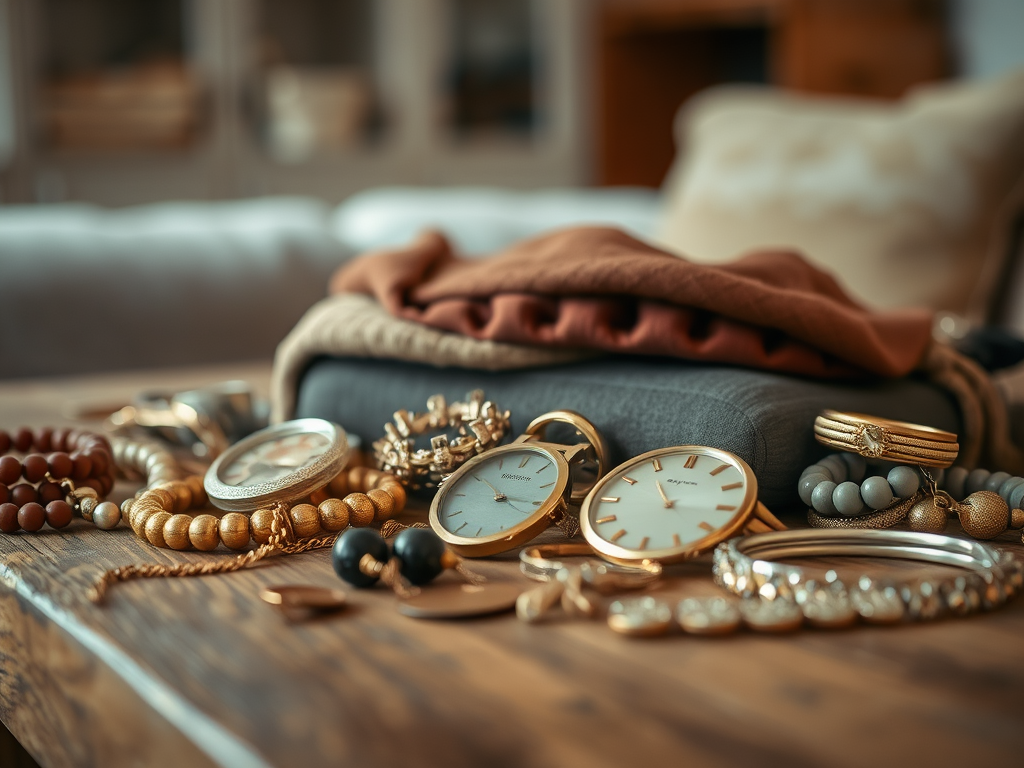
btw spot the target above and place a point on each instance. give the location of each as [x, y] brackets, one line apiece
[836, 486]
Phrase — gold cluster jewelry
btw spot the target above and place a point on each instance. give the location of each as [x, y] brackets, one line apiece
[570, 585]
[480, 425]
[159, 514]
[878, 438]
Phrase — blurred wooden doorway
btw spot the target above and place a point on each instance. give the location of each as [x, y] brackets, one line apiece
[654, 54]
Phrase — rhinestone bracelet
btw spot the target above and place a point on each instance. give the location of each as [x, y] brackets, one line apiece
[773, 591]
[776, 597]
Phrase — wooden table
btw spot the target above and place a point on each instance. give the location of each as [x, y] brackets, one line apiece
[201, 672]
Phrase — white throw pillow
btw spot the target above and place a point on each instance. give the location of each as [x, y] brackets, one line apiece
[907, 203]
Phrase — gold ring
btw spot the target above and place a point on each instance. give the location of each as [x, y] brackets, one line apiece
[536, 563]
[877, 438]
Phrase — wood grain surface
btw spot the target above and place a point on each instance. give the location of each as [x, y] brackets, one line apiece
[201, 672]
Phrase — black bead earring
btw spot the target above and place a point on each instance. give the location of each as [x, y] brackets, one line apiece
[361, 558]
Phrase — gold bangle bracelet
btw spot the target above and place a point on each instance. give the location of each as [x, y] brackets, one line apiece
[878, 438]
[849, 435]
[896, 452]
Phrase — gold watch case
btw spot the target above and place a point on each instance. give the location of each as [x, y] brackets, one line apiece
[672, 504]
[502, 499]
[471, 540]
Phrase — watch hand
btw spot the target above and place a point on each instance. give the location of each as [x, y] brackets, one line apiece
[668, 504]
[498, 495]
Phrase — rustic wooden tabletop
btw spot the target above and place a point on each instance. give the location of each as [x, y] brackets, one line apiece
[201, 672]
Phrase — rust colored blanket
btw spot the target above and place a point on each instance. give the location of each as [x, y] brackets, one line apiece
[599, 288]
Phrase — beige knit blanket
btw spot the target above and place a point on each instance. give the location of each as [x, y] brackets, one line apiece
[354, 325]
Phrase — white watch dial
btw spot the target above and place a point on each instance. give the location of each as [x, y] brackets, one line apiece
[278, 464]
[274, 459]
[498, 493]
[667, 502]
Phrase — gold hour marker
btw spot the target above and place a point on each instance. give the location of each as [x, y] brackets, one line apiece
[731, 486]
[629, 480]
[706, 527]
[719, 468]
[643, 543]
[691, 461]
[548, 485]
[536, 503]
[461, 527]
[618, 534]
[453, 514]
[478, 530]
[542, 469]
[657, 465]
[725, 508]
[523, 462]
[609, 519]
[459, 494]
[501, 463]
[610, 499]
[676, 541]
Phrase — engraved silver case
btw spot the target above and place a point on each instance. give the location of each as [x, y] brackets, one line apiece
[295, 485]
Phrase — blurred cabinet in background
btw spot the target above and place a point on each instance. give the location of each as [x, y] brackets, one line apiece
[313, 87]
[121, 102]
[113, 76]
[654, 54]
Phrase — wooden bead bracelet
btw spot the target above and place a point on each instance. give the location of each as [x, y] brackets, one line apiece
[62, 470]
[159, 516]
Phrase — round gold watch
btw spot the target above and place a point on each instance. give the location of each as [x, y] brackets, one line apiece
[672, 504]
[502, 499]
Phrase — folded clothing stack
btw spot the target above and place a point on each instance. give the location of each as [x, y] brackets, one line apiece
[653, 349]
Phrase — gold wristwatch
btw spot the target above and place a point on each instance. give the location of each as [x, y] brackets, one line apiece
[502, 499]
[673, 504]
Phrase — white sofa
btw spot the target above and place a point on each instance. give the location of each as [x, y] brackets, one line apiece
[85, 289]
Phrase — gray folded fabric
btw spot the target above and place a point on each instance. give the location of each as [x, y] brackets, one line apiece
[638, 403]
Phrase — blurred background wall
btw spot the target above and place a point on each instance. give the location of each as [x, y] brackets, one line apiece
[120, 102]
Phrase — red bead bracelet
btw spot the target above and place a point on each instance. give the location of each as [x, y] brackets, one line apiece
[56, 463]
